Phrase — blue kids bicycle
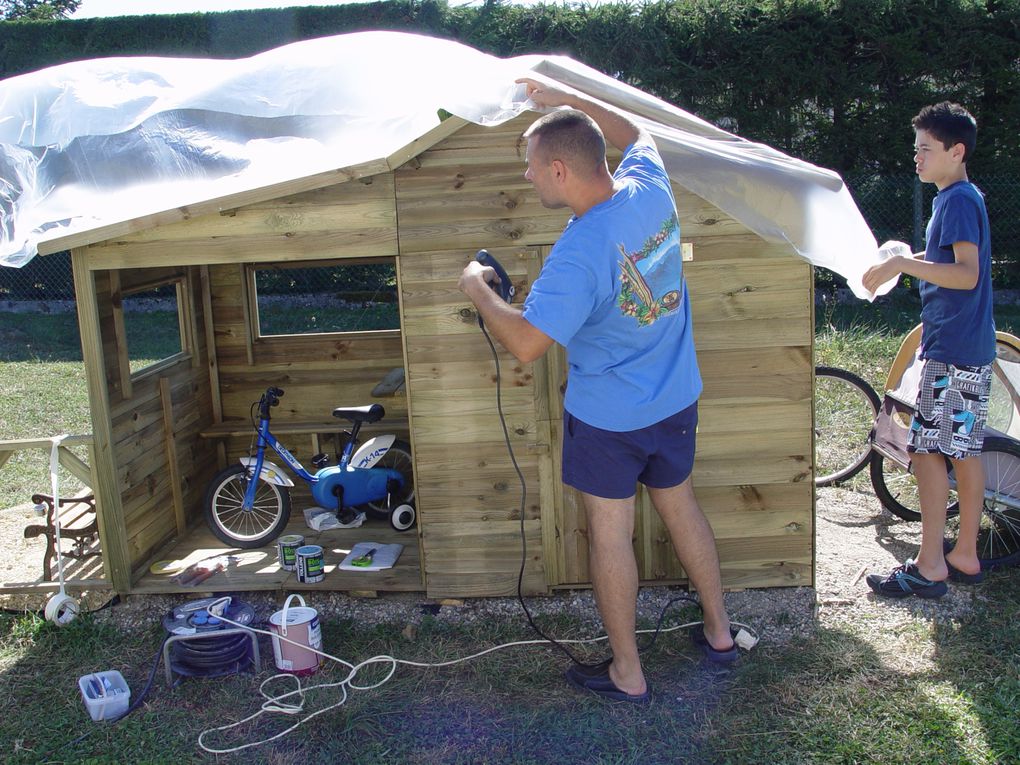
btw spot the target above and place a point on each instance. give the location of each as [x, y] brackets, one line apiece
[248, 505]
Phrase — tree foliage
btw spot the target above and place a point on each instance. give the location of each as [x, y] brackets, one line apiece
[37, 10]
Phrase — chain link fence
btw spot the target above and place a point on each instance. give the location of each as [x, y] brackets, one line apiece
[898, 206]
[895, 207]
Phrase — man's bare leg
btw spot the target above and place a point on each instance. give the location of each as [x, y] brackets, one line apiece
[694, 543]
[614, 577]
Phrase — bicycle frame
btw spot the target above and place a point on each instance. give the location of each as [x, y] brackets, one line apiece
[339, 484]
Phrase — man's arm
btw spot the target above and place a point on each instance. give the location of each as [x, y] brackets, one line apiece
[960, 275]
[504, 322]
[619, 130]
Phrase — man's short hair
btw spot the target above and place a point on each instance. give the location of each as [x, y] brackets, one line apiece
[570, 136]
[950, 123]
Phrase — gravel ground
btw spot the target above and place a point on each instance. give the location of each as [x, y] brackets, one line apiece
[854, 536]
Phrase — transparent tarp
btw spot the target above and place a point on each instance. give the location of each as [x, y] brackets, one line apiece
[91, 143]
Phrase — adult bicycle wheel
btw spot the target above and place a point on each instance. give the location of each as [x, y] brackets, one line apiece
[896, 489]
[845, 409]
[999, 532]
[231, 522]
[397, 457]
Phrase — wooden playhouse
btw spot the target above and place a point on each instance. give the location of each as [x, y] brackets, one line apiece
[161, 432]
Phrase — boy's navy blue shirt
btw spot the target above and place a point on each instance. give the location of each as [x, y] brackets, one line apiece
[958, 324]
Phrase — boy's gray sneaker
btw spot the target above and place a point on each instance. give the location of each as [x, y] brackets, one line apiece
[906, 580]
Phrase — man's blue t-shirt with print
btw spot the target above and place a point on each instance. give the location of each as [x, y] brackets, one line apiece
[958, 324]
[612, 292]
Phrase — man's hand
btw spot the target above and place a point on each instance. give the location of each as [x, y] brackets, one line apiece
[547, 94]
[471, 274]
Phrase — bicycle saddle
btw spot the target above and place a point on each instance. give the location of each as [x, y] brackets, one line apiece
[370, 413]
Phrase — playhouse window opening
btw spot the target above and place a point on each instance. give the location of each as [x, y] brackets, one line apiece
[153, 324]
[333, 297]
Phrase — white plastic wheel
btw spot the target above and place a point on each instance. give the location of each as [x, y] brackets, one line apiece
[403, 516]
[61, 609]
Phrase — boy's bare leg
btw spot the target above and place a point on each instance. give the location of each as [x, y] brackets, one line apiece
[970, 489]
[694, 543]
[614, 577]
[933, 491]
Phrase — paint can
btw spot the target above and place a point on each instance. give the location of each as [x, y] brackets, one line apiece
[300, 626]
[310, 564]
[286, 548]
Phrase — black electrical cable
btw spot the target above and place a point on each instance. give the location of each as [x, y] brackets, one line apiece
[212, 656]
[524, 541]
[134, 704]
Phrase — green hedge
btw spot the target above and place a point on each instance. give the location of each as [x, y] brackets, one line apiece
[834, 82]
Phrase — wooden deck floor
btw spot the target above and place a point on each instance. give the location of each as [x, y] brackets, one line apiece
[258, 569]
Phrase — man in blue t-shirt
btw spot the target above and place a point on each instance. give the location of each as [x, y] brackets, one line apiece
[612, 292]
[957, 351]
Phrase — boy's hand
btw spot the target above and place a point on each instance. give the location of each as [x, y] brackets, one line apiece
[878, 275]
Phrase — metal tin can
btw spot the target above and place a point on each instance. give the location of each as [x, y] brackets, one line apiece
[310, 564]
[286, 548]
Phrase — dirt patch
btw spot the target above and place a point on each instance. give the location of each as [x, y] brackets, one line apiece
[854, 536]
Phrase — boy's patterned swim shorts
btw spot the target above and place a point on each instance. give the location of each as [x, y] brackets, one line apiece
[951, 410]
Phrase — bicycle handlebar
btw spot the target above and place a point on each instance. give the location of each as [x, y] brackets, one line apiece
[270, 398]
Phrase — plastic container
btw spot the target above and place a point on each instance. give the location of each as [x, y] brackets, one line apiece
[106, 694]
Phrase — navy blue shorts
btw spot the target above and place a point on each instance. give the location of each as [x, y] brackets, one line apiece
[609, 464]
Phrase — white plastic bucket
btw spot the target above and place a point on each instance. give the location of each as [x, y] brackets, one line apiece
[300, 624]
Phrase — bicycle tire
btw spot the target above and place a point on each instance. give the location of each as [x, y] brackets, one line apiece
[999, 532]
[845, 410]
[896, 489]
[397, 457]
[231, 523]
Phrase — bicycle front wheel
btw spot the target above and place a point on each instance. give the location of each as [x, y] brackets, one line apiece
[845, 409]
[227, 517]
[999, 532]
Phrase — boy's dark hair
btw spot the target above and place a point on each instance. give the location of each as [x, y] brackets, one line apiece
[569, 135]
[951, 124]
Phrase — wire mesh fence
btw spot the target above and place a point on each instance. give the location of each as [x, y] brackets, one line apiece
[895, 207]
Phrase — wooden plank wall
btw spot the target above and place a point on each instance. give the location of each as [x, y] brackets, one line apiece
[317, 373]
[155, 425]
[751, 303]
[465, 194]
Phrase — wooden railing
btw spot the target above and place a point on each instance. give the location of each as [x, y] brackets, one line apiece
[76, 467]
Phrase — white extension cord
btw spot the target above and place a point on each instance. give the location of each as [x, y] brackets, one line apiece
[280, 704]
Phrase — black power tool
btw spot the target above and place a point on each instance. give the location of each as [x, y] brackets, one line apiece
[504, 287]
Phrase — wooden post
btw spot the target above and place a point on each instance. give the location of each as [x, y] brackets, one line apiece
[109, 510]
[170, 443]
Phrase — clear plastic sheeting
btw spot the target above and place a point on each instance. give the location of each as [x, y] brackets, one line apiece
[92, 143]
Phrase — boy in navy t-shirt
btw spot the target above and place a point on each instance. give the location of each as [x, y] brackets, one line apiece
[957, 350]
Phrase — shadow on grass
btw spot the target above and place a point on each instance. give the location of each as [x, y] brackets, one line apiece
[39, 337]
[838, 695]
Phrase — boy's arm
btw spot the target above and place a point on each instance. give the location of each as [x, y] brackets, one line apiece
[960, 275]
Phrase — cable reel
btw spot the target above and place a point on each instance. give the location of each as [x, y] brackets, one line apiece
[197, 647]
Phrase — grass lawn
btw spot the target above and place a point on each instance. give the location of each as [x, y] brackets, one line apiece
[948, 694]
